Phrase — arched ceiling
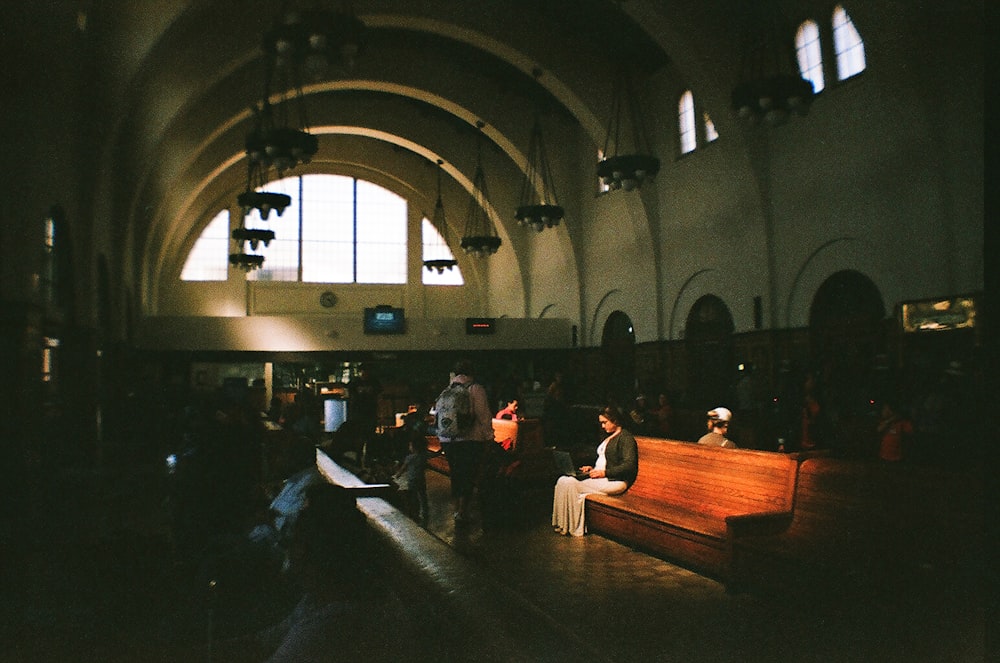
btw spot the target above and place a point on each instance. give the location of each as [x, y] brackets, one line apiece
[180, 78]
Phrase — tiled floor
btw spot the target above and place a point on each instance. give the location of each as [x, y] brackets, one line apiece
[101, 589]
[635, 607]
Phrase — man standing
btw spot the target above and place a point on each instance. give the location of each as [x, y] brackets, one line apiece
[718, 426]
[464, 423]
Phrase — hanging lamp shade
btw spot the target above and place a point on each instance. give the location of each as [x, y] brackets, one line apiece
[538, 208]
[440, 258]
[255, 198]
[480, 238]
[628, 160]
[771, 88]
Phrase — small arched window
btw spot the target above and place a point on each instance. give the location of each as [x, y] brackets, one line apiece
[847, 45]
[710, 131]
[686, 122]
[809, 54]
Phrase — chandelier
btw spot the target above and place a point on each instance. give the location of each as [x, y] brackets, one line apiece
[254, 198]
[445, 261]
[274, 143]
[480, 238]
[246, 261]
[538, 208]
[621, 169]
[253, 237]
[301, 45]
[771, 88]
[308, 41]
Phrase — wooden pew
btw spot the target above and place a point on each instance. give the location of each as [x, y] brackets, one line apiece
[684, 495]
[467, 615]
[864, 525]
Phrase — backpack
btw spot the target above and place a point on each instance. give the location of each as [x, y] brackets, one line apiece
[455, 417]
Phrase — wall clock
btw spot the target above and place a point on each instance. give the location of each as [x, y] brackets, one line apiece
[328, 299]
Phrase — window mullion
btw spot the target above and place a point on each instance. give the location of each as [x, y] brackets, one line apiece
[302, 215]
[354, 226]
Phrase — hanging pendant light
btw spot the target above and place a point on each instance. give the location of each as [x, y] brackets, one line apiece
[480, 238]
[441, 258]
[539, 208]
[255, 198]
[299, 46]
[253, 237]
[771, 88]
[621, 168]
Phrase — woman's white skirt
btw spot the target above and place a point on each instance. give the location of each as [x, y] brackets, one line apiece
[569, 498]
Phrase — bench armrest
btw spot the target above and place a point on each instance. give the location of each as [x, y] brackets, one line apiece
[769, 522]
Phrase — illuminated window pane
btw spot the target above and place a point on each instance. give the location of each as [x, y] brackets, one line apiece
[686, 124]
[49, 275]
[336, 230]
[434, 248]
[847, 44]
[49, 348]
[381, 235]
[807, 49]
[710, 132]
[328, 229]
[209, 258]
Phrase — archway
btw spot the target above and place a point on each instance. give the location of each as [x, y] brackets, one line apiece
[845, 335]
[711, 369]
[618, 344]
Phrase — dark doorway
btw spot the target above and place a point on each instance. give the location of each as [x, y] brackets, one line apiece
[846, 333]
[618, 344]
[711, 369]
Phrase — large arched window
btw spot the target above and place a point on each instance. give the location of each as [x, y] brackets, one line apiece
[207, 260]
[336, 230]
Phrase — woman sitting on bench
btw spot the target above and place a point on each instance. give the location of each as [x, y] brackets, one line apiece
[614, 471]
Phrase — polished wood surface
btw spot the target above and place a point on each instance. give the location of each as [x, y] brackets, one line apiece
[684, 493]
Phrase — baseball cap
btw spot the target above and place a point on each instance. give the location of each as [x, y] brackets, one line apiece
[720, 414]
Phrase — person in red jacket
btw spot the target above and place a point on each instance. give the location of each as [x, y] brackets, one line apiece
[894, 432]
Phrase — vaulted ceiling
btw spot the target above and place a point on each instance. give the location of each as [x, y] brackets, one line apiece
[169, 85]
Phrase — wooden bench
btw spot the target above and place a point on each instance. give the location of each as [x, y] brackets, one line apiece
[467, 614]
[864, 525]
[685, 494]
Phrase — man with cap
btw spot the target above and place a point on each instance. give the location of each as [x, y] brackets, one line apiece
[718, 425]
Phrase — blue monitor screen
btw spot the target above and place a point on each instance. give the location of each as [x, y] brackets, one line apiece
[384, 320]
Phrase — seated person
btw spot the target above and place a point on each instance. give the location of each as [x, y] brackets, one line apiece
[285, 507]
[509, 412]
[614, 471]
[718, 426]
[346, 610]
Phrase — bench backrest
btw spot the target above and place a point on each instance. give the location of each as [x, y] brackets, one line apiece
[869, 501]
[712, 479]
[505, 429]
